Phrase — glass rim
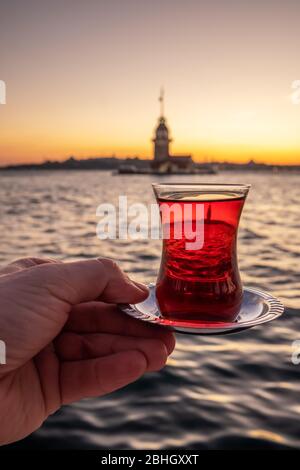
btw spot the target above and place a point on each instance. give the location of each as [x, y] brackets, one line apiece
[199, 185]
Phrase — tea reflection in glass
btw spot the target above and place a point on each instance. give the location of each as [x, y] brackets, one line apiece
[200, 283]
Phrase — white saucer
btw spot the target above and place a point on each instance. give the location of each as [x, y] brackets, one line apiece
[258, 307]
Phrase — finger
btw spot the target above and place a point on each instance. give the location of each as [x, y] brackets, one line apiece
[88, 280]
[98, 317]
[24, 263]
[73, 347]
[96, 377]
[32, 261]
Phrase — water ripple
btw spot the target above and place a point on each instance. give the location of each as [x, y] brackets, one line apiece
[219, 392]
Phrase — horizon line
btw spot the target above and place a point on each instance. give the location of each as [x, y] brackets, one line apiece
[210, 161]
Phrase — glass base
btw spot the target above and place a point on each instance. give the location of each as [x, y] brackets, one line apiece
[257, 308]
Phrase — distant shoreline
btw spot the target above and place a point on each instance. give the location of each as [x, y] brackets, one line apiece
[113, 163]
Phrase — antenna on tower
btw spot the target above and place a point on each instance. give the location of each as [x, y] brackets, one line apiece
[161, 100]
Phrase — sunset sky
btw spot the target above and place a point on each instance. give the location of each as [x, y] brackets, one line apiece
[83, 78]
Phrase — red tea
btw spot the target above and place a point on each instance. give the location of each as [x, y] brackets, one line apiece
[203, 283]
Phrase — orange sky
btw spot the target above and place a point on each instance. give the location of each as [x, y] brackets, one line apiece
[83, 78]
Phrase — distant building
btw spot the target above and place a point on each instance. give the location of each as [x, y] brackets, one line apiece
[163, 162]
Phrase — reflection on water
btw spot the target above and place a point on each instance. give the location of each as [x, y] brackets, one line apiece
[217, 392]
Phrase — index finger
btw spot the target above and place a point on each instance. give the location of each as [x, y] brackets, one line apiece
[95, 317]
[83, 281]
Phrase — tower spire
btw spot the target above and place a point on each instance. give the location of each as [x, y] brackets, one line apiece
[161, 100]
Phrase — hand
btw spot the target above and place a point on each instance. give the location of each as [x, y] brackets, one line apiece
[67, 340]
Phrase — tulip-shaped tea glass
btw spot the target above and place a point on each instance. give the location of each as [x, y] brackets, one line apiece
[199, 277]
